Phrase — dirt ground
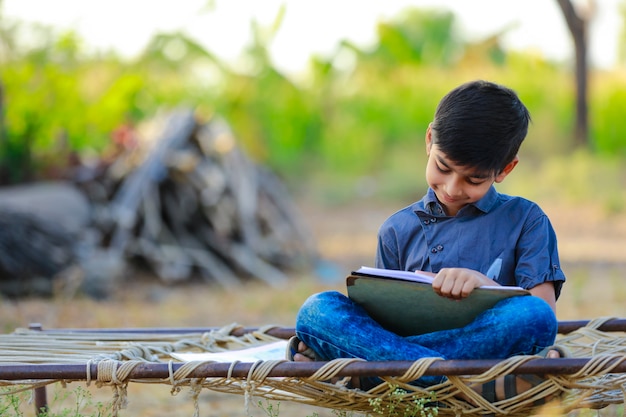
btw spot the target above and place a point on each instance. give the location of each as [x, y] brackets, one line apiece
[592, 247]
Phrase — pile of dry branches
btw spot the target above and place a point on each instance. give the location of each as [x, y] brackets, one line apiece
[188, 202]
[185, 202]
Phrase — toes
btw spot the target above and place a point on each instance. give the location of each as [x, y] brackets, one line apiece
[299, 357]
[553, 354]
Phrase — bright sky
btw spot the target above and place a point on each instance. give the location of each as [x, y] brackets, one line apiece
[312, 26]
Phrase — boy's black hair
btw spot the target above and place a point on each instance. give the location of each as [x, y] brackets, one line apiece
[481, 125]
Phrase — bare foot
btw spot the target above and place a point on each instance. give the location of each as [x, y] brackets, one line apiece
[306, 354]
[303, 354]
[553, 354]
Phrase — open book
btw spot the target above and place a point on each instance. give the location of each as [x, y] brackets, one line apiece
[405, 302]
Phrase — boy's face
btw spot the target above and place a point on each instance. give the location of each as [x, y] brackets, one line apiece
[454, 185]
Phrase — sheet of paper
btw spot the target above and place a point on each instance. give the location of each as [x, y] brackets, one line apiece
[268, 351]
[390, 273]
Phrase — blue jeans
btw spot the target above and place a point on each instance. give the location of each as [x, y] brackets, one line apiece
[335, 327]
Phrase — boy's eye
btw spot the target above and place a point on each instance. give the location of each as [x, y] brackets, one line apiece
[441, 169]
[476, 180]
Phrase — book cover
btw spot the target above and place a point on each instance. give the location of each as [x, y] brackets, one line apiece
[405, 302]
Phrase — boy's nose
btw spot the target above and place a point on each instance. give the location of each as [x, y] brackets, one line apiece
[454, 189]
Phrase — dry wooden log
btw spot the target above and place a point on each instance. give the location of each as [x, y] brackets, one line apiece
[151, 211]
[210, 181]
[212, 268]
[125, 204]
[243, 258]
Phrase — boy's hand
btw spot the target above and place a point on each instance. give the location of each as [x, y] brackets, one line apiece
[458, 283]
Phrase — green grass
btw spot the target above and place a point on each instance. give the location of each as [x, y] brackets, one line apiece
[78, 402]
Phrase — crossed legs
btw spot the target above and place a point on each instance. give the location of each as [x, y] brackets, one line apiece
[333, 326]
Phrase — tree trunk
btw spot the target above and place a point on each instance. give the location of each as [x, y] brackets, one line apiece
[578, 28]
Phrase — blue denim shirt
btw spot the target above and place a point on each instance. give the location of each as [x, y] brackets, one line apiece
[509, 239]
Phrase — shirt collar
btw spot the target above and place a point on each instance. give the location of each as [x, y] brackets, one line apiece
[431, 204]
[485, 204]
[488, 201]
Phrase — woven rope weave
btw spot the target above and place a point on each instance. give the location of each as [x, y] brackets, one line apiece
[118, 354]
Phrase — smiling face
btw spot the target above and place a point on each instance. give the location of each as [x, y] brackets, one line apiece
[454, 185]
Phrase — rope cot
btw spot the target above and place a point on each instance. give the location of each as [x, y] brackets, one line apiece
[594, 377]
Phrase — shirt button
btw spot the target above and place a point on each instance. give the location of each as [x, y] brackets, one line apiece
[439, 248]
[433, 220]
[433, 250]
[426, 222]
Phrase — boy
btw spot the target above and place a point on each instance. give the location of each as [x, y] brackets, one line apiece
[467, 235]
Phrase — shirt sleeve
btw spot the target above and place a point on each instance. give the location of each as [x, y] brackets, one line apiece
[537, 256]
[387, 251]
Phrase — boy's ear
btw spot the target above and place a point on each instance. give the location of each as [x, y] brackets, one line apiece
[507, 170]
[429, 139]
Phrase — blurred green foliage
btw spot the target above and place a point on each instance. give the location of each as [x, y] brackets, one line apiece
[353, 127]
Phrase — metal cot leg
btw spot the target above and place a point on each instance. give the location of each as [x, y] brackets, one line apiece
[41, 400]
